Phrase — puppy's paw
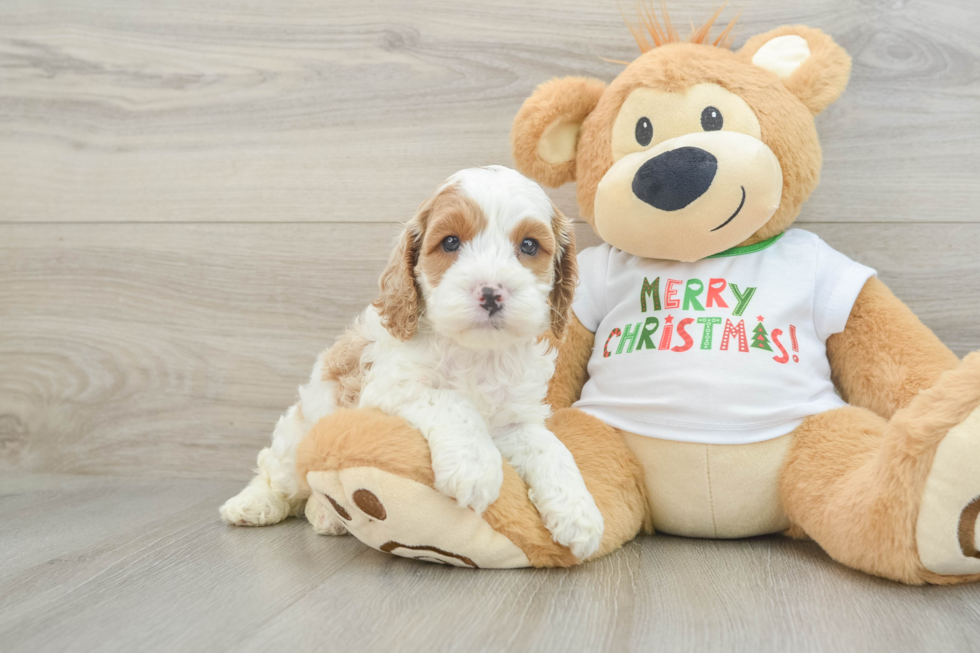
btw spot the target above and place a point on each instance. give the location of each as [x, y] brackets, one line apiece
[573, 519]
[472, 475]
[256, 505]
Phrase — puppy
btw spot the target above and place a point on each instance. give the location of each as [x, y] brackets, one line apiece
[454, 346]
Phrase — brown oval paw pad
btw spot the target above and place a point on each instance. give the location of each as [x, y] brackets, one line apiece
[369, 504]
[339, 508]
[968, 524]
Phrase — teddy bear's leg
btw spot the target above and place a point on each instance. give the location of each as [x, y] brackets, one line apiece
[896, 498]
[375, 473]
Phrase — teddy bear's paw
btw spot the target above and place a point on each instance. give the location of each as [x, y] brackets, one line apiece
[256, 505]
[401, 516]
[324, 518]
[573, 520]
[948, 530]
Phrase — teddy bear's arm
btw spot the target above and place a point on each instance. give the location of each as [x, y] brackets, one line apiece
[571, 369]
[885, 355]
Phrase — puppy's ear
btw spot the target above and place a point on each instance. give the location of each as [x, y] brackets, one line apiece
[544, 137]
[566, 272]
[810, 64]
[398, 303]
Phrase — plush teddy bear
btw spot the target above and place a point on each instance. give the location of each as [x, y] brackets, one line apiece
[723, 376]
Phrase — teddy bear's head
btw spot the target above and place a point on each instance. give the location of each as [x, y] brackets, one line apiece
[693, 148]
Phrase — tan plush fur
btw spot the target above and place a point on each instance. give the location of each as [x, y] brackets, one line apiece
[853, 480]
[820, 80]
[886, 355]
[570, 371]
[565, 272]
[569, 99]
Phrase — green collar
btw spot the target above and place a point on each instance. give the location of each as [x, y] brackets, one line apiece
[748, 249]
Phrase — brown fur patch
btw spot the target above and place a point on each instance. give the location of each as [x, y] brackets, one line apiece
[453, 214]
[342, 364]
[566, 272]
[399, 302]
[542, 263]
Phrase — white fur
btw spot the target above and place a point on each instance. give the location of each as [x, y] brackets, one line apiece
[472, 384]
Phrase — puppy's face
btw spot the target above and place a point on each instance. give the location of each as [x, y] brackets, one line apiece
[491, 261]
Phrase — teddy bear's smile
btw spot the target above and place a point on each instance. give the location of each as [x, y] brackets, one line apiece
[740, 205]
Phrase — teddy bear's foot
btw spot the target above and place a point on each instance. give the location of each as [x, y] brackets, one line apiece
[897, 498]
[397, 515]
[947, 529]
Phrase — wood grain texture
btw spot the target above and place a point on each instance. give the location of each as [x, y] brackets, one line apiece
[320, 110]
[172, 349]
[151, 569]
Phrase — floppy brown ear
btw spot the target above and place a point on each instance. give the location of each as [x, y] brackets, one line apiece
[566, 272]
[545, 133]
[399, 301]
[810, 64]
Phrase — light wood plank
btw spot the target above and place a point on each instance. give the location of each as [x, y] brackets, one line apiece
[330, 111]
[172, 349]
[131, 564]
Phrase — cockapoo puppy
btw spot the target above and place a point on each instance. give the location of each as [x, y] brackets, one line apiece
[455, 346]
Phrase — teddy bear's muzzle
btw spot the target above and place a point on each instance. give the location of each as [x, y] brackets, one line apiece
[690, 196]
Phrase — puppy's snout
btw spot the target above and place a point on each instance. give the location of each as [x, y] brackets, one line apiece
[672, 180]
[491, 298]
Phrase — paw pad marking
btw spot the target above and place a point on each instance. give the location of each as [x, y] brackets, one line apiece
[369, 504]
[391, 547]
[968, 523]
[339, 508]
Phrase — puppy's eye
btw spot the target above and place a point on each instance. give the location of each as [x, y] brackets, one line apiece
[529, 246]
[450, 243]
[711, 119]
[644, 131]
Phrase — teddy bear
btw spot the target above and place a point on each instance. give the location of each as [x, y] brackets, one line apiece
[722, 375]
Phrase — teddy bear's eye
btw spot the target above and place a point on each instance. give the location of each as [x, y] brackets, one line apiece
[644, 131]
[711, 119]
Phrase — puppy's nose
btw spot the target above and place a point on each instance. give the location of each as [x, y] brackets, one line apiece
[491, 299]
[672, 180]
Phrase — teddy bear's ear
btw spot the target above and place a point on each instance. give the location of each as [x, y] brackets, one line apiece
[545, 133]
[811, 65]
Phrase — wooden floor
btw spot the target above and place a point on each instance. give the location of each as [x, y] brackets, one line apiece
[195, 197]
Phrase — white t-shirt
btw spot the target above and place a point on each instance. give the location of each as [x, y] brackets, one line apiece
[730, 349]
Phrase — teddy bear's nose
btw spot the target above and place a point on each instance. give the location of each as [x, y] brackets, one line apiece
[672, 180]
